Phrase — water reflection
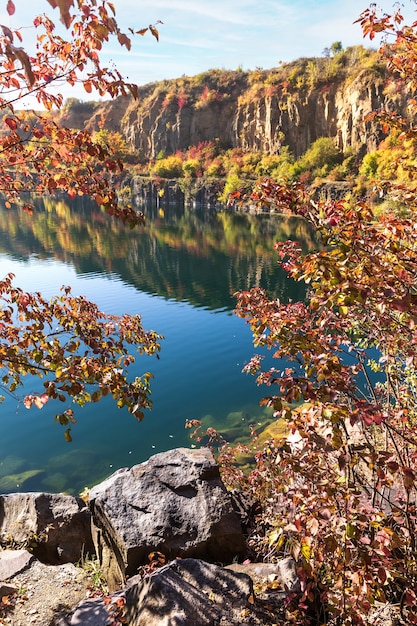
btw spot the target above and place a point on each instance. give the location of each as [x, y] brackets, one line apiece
[201, 256]
[179, 273]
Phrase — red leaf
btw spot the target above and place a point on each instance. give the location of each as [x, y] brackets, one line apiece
[409, 597]
[11, 123]
[10, 7]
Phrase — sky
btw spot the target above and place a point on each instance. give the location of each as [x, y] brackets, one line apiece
[198, 35]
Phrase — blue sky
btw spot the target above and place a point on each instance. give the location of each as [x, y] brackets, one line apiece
[197, 35]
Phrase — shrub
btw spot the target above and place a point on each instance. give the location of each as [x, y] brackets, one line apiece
[168, 167]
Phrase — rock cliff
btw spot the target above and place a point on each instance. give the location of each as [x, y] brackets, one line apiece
[262, 110]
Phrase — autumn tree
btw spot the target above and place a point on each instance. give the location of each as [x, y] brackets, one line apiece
[338, 489]
[80, 353]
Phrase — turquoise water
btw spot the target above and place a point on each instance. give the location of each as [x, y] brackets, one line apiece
[179, 273]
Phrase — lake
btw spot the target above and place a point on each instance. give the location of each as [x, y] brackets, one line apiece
[179, 272]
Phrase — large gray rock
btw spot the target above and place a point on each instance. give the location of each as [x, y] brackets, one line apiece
[190, 591]
[174, 503]
[183, 593]
[55, 526]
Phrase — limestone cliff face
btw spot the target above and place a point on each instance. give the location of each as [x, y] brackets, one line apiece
[336, 110]
[157, 126]
[235, 110]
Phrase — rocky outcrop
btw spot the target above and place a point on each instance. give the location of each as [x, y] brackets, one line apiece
[56, 527]
[255, 111]
[174, 503]
[181, 191]
[190, 592]
[184, 592]
[337, 109]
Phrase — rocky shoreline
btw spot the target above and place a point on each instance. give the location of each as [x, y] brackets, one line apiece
[174, 506]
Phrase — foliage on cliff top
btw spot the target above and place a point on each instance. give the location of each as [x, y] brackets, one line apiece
[222, 85]
[217, 85]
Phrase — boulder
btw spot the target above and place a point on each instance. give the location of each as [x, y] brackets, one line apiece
[57, 527]
[190, 591]
[184, 592]
[174, 503]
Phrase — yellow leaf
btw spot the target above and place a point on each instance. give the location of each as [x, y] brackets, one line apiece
[274, 536]
[306, 551]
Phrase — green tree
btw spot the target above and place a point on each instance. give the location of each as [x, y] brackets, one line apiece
[336, 47]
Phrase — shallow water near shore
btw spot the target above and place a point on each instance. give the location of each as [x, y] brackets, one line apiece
[180, 273]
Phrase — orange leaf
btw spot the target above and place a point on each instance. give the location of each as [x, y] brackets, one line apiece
[38, 133]
[67, 435]
[154, 32]
[124, 40]
[40, 401]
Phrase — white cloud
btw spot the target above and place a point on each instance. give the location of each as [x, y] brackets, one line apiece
[197, 35]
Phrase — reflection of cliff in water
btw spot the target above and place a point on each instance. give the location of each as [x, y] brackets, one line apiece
[201, 256]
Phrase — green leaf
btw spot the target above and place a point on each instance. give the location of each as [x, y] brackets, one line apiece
[350, 530]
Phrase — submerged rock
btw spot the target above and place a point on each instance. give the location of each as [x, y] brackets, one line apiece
[18, 481]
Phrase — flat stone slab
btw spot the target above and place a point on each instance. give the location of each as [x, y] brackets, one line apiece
[283, 572]
[14, 561]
